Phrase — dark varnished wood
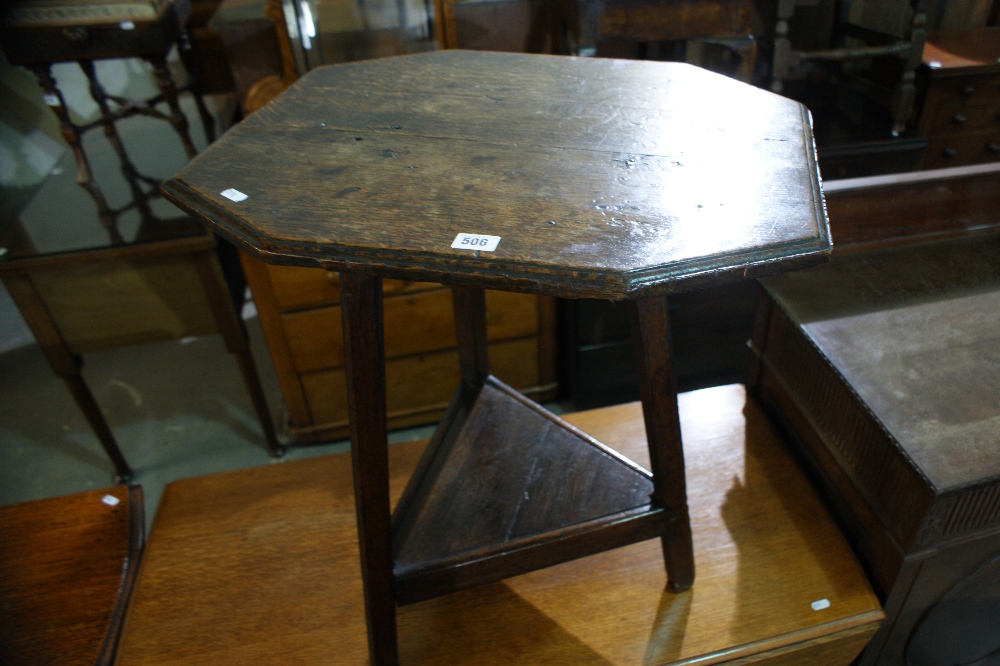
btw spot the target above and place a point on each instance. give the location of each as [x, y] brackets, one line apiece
[651, 340]
[883, 365]
[510, 489]
[600, 176]
[67, 567]
[766, 548]
[469, 304]
[361, 303]
[907, 207]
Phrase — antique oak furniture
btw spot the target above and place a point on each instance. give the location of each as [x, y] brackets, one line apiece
[67, 568]
[548, 175]
[883, 365]
[961, 105]
[765, 546]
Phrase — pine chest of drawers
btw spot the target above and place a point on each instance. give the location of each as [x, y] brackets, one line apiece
[300, 315]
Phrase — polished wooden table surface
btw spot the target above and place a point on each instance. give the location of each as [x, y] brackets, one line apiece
[67, 565]
[560, 176]
[261, 566]
[603, 178]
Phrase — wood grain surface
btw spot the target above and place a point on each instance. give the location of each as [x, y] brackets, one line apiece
[602, 177]
[261, 566]
[67, 565]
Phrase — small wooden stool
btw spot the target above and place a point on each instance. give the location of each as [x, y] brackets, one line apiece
[67, 565]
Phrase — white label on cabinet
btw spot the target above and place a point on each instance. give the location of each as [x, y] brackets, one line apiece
[821, 604]
[110, 500]
[475, 242]
[126, 25]
[234, 195]
[51, 99]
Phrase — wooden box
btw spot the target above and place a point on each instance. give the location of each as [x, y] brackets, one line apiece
[884, 366]
[300, 315]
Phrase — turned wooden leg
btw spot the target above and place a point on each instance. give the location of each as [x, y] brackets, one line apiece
[469, 304]
[97, 92]
[66, 365]
[168, 89]
[72, 134]
[651, 339]
[228, 321]
[364, 355]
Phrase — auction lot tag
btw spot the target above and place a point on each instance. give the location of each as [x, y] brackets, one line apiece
[475, 242]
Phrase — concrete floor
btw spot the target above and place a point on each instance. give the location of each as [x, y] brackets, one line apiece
[178, 409]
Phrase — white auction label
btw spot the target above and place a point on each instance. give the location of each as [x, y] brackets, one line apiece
[126, 25]
[234, 195]
[475, 242]
[820, 604]
[110, 500]
[51, 99]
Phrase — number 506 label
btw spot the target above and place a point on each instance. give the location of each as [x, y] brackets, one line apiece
[475, 242]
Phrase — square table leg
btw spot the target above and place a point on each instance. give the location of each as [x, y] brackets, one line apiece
[364, 355]
[66, 365]
[651, 340]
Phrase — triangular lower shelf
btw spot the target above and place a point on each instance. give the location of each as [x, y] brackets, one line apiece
[504, 488]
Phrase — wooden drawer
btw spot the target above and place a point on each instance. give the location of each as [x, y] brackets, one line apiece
[418, 387]
[300, 316]
[414, 323]
[958, 117]
[959, 150]
[297, 288]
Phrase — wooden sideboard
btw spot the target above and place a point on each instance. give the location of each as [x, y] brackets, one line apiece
[300, 314]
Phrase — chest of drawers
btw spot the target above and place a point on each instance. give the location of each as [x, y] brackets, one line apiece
[961, 110]
[299, 312]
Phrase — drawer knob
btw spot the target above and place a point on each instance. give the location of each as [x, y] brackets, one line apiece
[958, 119]
[968, 90]
[993, 147]
[949, 152]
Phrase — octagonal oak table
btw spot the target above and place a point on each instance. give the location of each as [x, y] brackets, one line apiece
[563, 176]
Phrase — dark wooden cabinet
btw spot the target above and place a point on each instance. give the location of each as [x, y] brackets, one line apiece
[961, 109]
[883, 367]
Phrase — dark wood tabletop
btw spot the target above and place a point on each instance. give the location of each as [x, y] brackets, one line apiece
[607, 178]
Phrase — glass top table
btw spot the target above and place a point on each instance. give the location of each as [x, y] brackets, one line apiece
[572, 177]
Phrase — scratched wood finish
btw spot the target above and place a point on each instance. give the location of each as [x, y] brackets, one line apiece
[884, 366]
[537, 486]
[603, 178]
[67, 565]
[229, 553]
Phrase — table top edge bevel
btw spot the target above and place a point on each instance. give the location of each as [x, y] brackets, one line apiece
[508, 276]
